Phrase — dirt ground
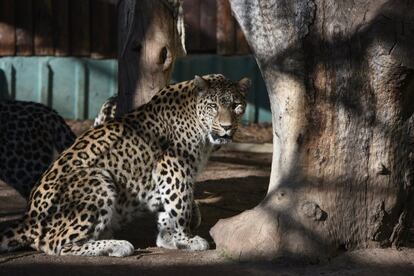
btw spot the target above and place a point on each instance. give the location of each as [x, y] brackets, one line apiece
[232, 182]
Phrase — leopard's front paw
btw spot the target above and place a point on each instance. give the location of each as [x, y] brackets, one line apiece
[195, 243]
[169, 241]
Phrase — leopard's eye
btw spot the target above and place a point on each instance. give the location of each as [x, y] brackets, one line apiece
[212, 105]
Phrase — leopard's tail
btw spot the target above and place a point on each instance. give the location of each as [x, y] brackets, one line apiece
[14, 238]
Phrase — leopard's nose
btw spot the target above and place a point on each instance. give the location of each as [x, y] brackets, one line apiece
[225, 127]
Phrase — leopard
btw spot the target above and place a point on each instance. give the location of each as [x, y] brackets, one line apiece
[144, 161]
[31, 137]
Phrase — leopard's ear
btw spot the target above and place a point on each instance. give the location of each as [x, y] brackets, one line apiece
[244, 85]
[200, 84]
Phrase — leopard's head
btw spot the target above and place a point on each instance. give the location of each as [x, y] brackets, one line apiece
[220, 105]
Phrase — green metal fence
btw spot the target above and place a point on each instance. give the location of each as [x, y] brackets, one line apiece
[77, 87]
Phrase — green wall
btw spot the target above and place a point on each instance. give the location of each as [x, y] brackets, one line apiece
[77, 87]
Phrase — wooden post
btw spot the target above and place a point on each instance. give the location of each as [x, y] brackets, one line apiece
[149, 42]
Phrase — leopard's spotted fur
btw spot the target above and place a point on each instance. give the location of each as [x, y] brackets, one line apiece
[31, 137]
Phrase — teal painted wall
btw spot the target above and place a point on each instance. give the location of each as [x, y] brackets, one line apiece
[77, 87]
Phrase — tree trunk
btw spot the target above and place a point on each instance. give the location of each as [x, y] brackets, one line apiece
[150, 38]
[340, 77]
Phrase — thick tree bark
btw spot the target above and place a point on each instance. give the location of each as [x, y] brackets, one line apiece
[151, 37]
[340, 77]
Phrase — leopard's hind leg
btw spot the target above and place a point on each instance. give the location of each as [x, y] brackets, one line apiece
[84, 215]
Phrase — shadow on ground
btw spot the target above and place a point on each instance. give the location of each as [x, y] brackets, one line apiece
[155, 261]
[232, 182]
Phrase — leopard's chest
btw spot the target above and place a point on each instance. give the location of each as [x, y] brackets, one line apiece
[137, 174]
